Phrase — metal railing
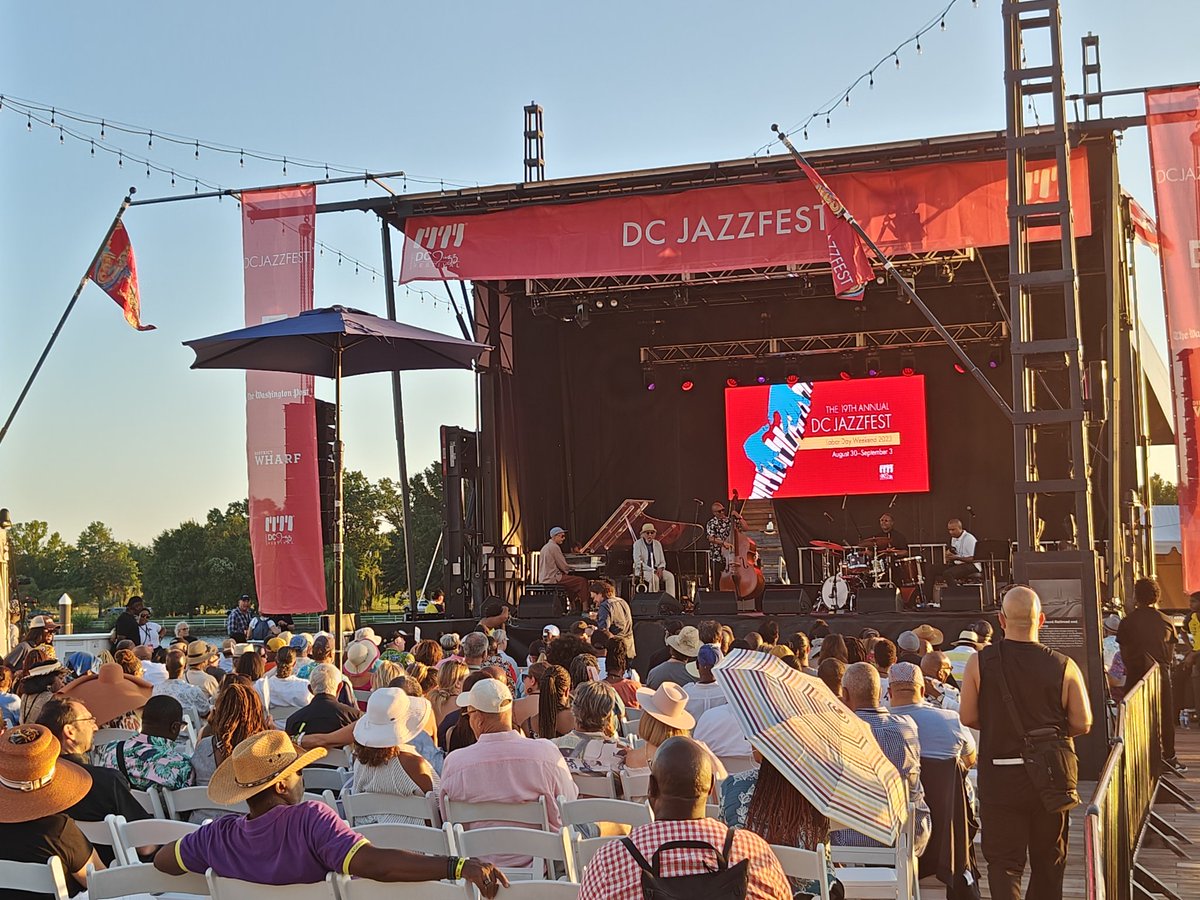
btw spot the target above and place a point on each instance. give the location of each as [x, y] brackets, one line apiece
[1120, 805]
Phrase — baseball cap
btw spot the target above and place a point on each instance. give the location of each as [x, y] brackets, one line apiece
[488, 695]
[551, 630]
[42, 622]
[905, 673]
[908, 641]
[556, 531]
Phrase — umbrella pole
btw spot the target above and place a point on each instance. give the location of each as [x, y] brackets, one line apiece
[339, 559]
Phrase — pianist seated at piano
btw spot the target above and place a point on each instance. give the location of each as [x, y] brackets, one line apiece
[553, 569]
[650, 563]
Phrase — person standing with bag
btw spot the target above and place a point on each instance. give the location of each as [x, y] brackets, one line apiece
[1028, 702]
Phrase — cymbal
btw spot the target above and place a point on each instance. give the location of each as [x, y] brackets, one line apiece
[828, 545]
[893, 551]
[876, 543]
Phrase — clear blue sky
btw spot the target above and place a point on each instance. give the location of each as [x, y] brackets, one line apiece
[119, 429]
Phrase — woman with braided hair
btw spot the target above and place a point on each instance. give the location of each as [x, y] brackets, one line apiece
[236, 715]
[554, 717]
[762, 800]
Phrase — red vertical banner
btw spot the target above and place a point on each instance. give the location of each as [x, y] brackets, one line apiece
[1173, 120]
[281, 429]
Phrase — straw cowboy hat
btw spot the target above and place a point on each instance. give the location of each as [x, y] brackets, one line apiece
[360, 656]
[667, 704]
[929, 633]
[392, 718]
[258, 762]
[966, 637]
[109, 693]
[686, 643]
[34, 782]
[198, 653]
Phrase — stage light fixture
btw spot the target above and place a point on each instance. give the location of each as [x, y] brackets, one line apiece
[846, 372]
[792, 379]
[731, 381]
[761, 378]
[960, 368]
[874, 367]
[599, 304]
[995, 357]
[908, 363]
[613, 302]
[845, 375]
[687, 384]
[648, 379]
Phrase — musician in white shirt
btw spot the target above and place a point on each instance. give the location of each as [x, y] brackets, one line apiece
[650, 563]
[960, 558]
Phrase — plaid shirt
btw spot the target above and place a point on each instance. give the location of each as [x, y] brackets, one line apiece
[238, 622]
[613, 874]
[897, 738]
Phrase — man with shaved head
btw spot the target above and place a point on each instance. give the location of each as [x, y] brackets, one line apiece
[1048, 691]
[680, 780]
[897, 738]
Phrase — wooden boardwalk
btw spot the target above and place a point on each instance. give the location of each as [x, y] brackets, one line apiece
[1181, 875]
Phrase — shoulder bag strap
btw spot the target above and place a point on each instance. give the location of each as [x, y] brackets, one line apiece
[121, 764]
[1009, 703]
[728, 847]
[637, 856]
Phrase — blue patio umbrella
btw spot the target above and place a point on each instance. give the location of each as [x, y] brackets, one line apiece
[333, 342]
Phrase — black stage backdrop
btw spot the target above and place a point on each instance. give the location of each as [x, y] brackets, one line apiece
[591, 435]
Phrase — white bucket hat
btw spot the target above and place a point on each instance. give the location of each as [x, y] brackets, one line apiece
[392, 718]
[360, 656]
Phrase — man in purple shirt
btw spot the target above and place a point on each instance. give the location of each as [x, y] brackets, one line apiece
[284, 841]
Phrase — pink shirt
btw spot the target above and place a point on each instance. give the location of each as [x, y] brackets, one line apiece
[507, 767]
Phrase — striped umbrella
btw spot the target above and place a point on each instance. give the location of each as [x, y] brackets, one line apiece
[825, 751]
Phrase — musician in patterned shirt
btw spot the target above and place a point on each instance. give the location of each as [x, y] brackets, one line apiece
[720, 532]
[680, 780]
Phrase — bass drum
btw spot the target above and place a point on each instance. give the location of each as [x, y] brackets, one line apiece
[835, 592]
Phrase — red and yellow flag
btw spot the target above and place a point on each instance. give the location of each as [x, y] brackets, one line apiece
[848, 261]
[115, 272]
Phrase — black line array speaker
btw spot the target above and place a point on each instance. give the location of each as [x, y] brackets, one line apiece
[879, 600]
[964, 598]
[649, 605]
[541, 605]
[716, 603]
[787, 601]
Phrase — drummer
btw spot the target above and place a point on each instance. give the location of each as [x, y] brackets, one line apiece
[888, 537]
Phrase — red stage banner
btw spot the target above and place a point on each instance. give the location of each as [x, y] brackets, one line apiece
[947, 206]
[281, 428]
[1173, 120]
[825, 438]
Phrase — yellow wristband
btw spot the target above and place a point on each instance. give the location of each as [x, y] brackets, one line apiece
[462, 863]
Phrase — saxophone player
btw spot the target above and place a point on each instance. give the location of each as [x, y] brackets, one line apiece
[650, 563]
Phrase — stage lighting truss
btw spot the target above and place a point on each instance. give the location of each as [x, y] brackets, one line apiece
[850, 344]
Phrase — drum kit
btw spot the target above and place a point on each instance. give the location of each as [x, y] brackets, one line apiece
[848, 569]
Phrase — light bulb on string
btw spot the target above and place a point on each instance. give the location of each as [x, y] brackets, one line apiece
[120, 159]
[52, 115]
[150, 143]
[871, 82]
[943, 24]
[896, 56]
[28, 121]
[242, 158]
[285, 165]
[147, 170]
[93, 143]
[197, 153]
[806, 132]
[827, 122]
[101, 129]
[60, 135]
[919, 49]
[195, 186]
[847, 98]
[172, 178]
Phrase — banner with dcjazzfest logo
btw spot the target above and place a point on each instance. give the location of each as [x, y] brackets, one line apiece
[1173, 120]
[281, 428]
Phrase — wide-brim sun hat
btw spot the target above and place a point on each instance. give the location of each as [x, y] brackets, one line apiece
[686, 643]
[199, 652]
[929, 633]
[388, 720]
[368, 634]
[109, 693]
[360, 656]
[49, 667]
[255, 764]
[668, 704]
[34, 780]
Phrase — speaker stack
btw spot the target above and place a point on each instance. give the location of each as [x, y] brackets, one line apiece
[879, 600]
[716, 603]
[964, 598]
[654, 605]
[542, 605]
[787, 600]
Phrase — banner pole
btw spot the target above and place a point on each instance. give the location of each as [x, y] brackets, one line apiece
[894, 274]
[67, 312]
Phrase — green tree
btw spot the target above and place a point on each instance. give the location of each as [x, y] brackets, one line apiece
[1162, 492]
[41, 556]
[365, 544]
[428, 507]
[104, 568]
[176, 574]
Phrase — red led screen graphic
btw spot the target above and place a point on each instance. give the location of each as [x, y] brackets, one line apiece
[823, 438]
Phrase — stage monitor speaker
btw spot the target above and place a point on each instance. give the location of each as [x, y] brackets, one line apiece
[964, 598]
[325, 623]
[787, 601]
[649, 605]
[879, 600]
[716, 603]
[541, 605]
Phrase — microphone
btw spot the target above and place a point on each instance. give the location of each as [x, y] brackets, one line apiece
[828, 516]
[697, 501]
[844, 498]
[893, 503]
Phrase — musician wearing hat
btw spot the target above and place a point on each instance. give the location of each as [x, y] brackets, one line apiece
[650, 563]
[37, 787]
[553, 569]
[285, 841]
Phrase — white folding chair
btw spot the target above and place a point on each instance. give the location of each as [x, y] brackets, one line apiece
[587, 811]
[598, 785]
[535, 890]
[324, 779]
[806, 864]
[39, 878]
[415, 838]
[128, 836]
[111, 735]
[191, 732]
[545, 847]
[97, 833]
[151, 802]
[182, 801]
[880, 873]
[583, 849]
[233, 889]
[142, 878]
[335, 758]
[712, 810]
[363, 889]
[371, 803]
[279, 714]
[635, 786]
[325, 797]
[460, 812]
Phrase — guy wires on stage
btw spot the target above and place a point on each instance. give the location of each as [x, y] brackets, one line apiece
[650, 563]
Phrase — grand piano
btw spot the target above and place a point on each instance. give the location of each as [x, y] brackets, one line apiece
[609, 552]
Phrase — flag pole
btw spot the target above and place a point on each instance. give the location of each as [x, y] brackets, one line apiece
[844, 214]
[66, 312]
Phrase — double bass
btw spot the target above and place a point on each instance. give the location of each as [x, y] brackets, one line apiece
[742, 574]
